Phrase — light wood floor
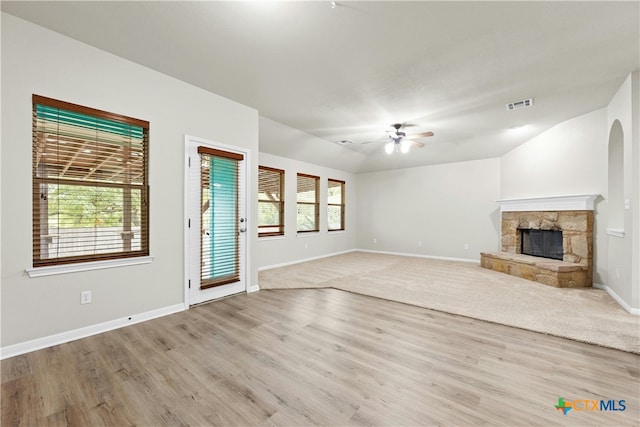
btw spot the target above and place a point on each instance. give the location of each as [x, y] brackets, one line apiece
[316, 357]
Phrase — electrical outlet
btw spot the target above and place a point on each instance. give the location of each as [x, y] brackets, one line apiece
[617, 273]
[375, 240]
[306, 246]
[466, 246]
[419, 243]
[85, 297]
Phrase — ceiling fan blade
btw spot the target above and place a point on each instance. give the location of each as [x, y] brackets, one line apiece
[415, 143]
[422, 135]
[407, 125]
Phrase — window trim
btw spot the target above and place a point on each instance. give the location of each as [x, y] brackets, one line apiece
[341, 204]
[316, 203]
[64, 264]
[51, 270]
[280, 203]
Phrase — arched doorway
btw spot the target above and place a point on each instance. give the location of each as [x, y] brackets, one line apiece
[615, 197]
[618, 248]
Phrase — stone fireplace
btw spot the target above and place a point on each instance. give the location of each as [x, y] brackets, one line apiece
[548, 240]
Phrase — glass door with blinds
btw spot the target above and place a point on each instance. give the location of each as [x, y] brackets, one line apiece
[216, 221]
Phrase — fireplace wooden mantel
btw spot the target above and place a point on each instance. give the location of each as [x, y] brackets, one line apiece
[585, 202]
[573, 215]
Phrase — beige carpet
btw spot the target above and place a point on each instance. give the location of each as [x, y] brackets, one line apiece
[588, 315]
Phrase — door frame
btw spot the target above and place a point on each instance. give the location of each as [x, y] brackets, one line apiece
[190, 141]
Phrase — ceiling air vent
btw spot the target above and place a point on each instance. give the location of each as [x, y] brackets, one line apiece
[520, 104]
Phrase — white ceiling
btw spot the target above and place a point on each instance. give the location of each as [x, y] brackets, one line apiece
[351, 71]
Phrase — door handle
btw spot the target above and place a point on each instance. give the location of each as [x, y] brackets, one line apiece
[242, 230]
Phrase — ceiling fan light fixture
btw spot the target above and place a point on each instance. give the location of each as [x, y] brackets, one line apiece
[388, 148]
[404, 147]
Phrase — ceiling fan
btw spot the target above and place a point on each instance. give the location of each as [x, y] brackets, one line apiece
[399, 141]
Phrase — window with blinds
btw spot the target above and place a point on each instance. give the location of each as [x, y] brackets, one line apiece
[308, 203]
[220, 241]
[270, 201]
[90, 191]
[335, 205]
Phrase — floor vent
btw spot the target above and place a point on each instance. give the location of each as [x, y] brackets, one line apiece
[520, 104]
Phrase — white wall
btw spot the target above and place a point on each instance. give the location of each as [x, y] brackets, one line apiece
[624, 252]
[293, 247]
[36, 60]
[570, 158]
[619, 248]
[635, 190]
[441, 206]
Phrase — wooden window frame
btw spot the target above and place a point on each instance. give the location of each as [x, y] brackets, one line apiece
[40, 145]
[279, 204]
[316, 203]
[341, 204]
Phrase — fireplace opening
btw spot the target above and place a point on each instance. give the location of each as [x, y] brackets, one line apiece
[542, 243]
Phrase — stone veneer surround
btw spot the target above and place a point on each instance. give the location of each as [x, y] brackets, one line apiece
[576, 268]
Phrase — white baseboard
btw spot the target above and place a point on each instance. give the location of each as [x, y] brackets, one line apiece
[619, 300]
[474, 261]
[253, 289]
[63, 337]
[298, 261]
